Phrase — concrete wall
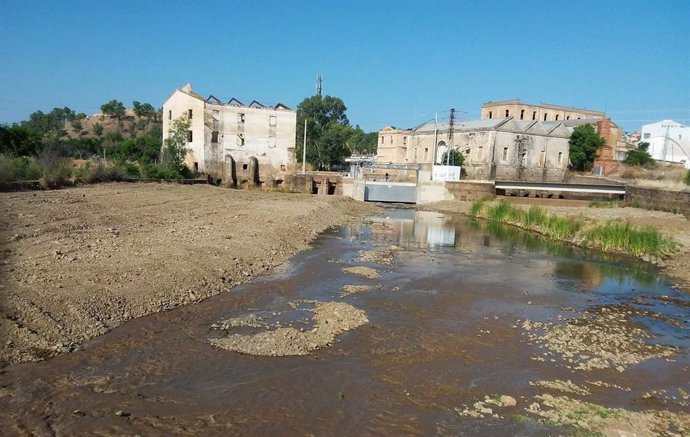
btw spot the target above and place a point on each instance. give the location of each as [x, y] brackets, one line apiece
[676, 201]
[178, 105]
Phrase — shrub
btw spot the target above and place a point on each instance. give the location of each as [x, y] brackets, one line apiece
[54, 168]
[687, 177]
[159, 171]
[19, 169]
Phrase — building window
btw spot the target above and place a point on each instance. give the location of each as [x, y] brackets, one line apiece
[245, 166]
[240, 139]
[272, 120]
[196, 166]
[505, 153]
[426, 153]
[169, 115]
[381, 139]
[560, 157]
[567, 117]
[240, 118]
[189, 136]
[480, 152]
[545, 115]
[391, 139]
[404, 141]
[556, 117]
[189, 114]
[647, 135]
[491, 114]
[522, 114]
[507, 113]
[282, 167]
[542, 157]
[214, 136]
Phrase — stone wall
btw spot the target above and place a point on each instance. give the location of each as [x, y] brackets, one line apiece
[653, 198]
[470, 190]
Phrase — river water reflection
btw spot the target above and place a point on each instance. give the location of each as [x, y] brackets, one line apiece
[444, 331]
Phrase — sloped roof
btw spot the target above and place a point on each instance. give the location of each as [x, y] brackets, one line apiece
[235, 102]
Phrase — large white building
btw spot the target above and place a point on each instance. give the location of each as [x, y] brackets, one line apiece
[494, 149]
[668, 141]
[233, 141]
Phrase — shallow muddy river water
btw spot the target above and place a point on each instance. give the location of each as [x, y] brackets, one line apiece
[445, 328]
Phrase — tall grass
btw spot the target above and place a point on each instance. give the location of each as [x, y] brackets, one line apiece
[623, 237]
[607, 237]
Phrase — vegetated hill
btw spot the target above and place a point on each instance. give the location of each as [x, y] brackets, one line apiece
[129, 125]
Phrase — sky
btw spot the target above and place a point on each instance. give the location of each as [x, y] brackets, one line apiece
[392, 62]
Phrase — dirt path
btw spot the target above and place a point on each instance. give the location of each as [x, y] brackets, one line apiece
[79, 262]
[675, 225]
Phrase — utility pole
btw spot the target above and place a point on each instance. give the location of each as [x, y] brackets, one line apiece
[451, 125]
[304, 149]
[435, 139]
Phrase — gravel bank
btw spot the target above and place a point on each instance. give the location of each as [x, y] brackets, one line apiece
[79, 262]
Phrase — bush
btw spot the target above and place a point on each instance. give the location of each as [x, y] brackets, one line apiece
[19, 169]
[160, 171]
[55, 171]
[687, 177]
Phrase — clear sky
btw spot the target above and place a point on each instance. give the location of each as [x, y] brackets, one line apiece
[392, 62]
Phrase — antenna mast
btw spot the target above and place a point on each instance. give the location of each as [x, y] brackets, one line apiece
[319, 84]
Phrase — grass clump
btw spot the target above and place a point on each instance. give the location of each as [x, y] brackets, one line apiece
[606, 204]
[611, 236]
[19, 169]
[614, 236]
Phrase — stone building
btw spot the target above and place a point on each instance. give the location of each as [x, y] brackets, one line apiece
[530, 112]
[234, 142]
[494, 149]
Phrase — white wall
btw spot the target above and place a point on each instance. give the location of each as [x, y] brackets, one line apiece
[668, 141]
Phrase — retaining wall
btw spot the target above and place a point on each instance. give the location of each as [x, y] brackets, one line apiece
[654, 198]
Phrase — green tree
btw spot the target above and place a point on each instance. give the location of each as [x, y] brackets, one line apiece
[584, 143]
[175, 146]
[76, 125]
[455, 158]
[19, 140]
[54, 121]
[98, 129]
[113, 108]
[328, 130]
[361, 142]
[143, 109]
[639, 156]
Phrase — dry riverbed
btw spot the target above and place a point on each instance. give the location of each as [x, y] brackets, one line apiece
[78, 262]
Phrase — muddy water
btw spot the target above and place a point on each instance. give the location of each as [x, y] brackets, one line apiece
[443, 332]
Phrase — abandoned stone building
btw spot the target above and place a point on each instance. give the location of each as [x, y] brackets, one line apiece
[495, 149]
[530, 112]
[234, 142]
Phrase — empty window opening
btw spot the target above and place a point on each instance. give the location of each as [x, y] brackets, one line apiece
[169, 115]
[491, 114]
[426, 153]
[240, 118]
[214, 136]
[245, 166]
[560, 157]
[567, 117]
[189, 136]
[534, 115]
[272, 120]
[282, 168]
[507, 113]
[196, 166]
[240, 139]
[556, 117]
[505, 154]
[404, 141]
[189, 113]
[545, 115]
[382, 139]
[542, 157]
[522, 114]
[391, 139]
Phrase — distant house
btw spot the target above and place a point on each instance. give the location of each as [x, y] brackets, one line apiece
[668, 140]
[494, 149]
[233, 141]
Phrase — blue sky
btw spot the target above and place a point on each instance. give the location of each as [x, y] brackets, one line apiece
[392, 62]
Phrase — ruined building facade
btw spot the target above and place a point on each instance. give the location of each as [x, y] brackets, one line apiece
[496, 149]
[234, 142]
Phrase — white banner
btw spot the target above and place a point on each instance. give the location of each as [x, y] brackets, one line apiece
[446, 173]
